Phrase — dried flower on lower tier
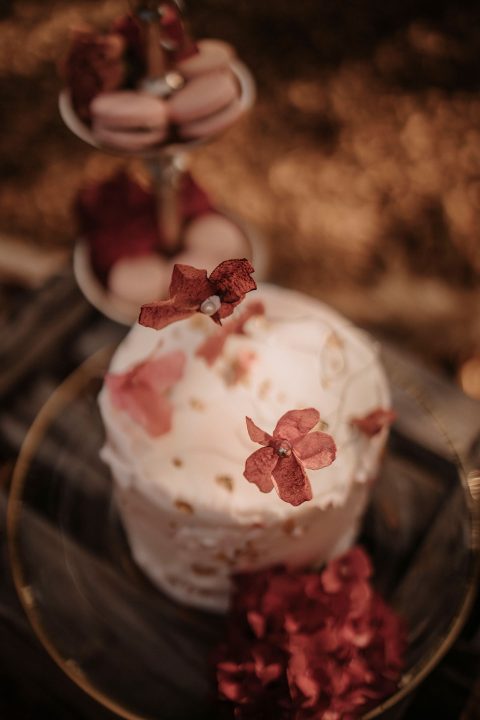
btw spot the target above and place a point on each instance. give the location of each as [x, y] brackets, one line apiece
[374, 422]
[293, 447]
[191, 291]
[309, 645]
[142, 391]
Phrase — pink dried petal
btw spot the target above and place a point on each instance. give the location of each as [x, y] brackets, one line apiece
[232, 280]
[256, 434]
[161, 373]
[257, 623]
[316, 450]
[154, 416]
[374, 422]
[212, 346]
[291, 481]
[259, 466]
[296, 423]
[141, 391]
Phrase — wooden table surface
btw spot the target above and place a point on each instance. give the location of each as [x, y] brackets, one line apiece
[31, 685]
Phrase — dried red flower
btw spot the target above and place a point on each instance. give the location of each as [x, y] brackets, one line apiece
[293, 447]
[191, 291]
[142, 391]
[118, 219]
[312, 668]
[374, 422]
[95, 64]
[211, 348]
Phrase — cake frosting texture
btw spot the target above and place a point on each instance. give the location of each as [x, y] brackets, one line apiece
[190, 516]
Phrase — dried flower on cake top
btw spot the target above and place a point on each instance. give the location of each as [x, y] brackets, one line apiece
[142, 391]
[374, 422]
[293, 447]
[192, 291]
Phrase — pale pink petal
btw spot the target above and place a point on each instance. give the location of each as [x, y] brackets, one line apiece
[291, 481]
[296, 423]
[154, 414]
[211, 348]
[256, 434]
[141, 391]
[374, 422]
[316, 450]
[163, 372]
[259, 467]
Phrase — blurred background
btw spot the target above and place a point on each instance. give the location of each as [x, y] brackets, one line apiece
[360, 167]
[360, 163]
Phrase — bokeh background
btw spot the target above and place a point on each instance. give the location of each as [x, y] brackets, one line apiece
[360, 163]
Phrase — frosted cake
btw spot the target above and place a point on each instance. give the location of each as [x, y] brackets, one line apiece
[191, 517]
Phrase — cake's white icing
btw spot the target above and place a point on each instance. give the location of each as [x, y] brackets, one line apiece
[190, 515]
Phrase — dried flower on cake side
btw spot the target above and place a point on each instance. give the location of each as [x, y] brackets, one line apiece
[142, 391]
[192, 290]
[292, 448]
[374, 422]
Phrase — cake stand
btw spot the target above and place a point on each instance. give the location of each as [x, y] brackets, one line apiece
[166, 164]
[144, 656]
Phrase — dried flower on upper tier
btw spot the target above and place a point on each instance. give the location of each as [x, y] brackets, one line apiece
[374, 422]
[291, 449]
[192, 291]
[309, 645]
[95, 64]
[142, 391]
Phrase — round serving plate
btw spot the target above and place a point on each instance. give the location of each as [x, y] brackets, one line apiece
[144, 656]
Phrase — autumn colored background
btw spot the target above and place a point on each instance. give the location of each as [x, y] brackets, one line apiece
[359, 165]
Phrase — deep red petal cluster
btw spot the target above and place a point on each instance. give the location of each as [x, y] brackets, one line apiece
[308, 645]
[281, 463]
[118, 219]
[190, 287]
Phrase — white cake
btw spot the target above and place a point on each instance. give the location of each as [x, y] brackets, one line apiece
[190, 516]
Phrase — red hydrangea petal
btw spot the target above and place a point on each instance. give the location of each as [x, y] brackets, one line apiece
[347, 569]
[158, 315]
[374, 422]
[291, 481]
[296, 423]
[316, 450]
[259, 466]
[189, 287]
[257, 434]
[232, 280]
